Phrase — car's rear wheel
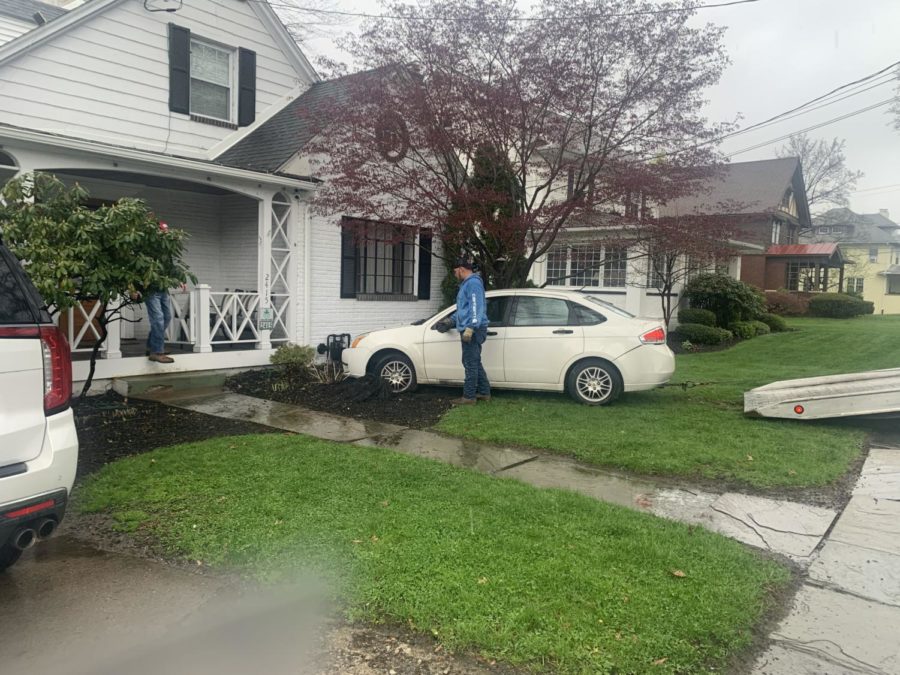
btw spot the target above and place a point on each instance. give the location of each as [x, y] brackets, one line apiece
[8, 555]
[594, 382]
[398, 371]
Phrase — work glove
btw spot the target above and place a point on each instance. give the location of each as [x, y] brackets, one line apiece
[467, 335]
[444, 325]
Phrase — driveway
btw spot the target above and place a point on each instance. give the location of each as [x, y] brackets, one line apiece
[70, 607]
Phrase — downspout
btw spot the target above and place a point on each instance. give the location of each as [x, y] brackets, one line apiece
[307, 275]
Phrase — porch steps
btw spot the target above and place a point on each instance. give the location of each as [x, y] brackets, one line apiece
[169, 383]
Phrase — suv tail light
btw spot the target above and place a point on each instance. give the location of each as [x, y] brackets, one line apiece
[57, 370]
[657, 336]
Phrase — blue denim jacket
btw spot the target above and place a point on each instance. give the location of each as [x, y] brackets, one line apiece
[471, 306]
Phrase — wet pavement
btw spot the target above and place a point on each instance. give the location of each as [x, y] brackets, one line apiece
[846, 617]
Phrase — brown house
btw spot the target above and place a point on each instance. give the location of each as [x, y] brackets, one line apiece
[769, 198]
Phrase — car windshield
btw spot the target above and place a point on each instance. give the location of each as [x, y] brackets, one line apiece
[608, 306]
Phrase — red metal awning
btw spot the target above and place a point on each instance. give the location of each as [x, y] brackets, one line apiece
[802, 249]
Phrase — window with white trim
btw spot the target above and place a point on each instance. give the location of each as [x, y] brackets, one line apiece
[776, 231]
[873, 254]
[586, 265]
[211, 80]
[855, 285]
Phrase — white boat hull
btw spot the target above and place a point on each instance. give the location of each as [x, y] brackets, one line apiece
[876, 392]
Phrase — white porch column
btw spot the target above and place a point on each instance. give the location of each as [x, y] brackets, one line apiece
[264, 265]
[636, 284]
[113, 340]
[306, 296]
[199, 313]
[734, 268]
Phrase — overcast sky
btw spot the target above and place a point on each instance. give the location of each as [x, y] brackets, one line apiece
[784, 53]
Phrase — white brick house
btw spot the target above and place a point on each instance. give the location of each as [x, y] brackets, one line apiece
[195, 107]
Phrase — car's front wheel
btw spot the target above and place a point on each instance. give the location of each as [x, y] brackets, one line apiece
[594, 382]
[398, 371]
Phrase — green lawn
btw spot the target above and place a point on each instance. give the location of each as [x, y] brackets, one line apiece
[546, 579]
[702, 432]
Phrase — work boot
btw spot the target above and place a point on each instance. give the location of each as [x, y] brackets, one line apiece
[483, 397]
[147, 352]
[161, 358]
[463, 401]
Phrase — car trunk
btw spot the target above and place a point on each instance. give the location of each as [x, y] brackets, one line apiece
[22, 417]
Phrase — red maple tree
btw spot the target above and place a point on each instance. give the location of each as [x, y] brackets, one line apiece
[498, 130]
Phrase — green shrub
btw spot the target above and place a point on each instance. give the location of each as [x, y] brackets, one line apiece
[699, 334]
[729, 299]
[760, 327]
[838, 306]
[745, 330]
[694, 315]
[786, 303]
[775, 323]
[293, 360]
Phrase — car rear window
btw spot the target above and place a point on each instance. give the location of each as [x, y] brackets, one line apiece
[15, 304]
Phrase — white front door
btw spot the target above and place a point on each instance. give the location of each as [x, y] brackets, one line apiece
[543, 335]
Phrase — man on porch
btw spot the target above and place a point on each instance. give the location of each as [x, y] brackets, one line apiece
[159, 312]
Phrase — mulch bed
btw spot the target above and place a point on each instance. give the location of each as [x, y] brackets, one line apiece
[110, 427]
[364, 398]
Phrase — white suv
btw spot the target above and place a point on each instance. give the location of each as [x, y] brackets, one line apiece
[38, 444]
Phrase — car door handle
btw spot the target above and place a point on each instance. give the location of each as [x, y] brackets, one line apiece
[492, 332]
[563, 331]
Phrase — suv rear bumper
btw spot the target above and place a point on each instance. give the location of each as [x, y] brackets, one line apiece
[56, 511]
[50, 472]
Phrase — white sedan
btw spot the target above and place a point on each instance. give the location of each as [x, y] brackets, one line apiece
[549, 340]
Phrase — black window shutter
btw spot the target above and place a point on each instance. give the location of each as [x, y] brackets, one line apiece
[246, 87]
[425, 265]
[348, 263]
[179, 69]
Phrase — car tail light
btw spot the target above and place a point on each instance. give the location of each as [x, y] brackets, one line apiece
[657, 336]
[57, 370]
[19, 332]
[28, 510]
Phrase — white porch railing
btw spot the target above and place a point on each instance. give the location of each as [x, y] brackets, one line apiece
[202, 318]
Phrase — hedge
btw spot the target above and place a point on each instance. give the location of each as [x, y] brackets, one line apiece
[704, 335]
[729, 299]
[694, 315]
[775, 323]
[760, 327]
[785, 303]
[839, 306]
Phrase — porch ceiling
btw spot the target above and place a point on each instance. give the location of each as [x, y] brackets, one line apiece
[148, 180]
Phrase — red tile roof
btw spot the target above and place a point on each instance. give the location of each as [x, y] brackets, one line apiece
[802, 249]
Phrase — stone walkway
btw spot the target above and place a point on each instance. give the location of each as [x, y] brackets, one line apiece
[845, 618]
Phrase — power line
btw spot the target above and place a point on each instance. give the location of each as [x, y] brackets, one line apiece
[783, 115]
[813, 127]
[889, 79]
[364, 15]
[879, 187]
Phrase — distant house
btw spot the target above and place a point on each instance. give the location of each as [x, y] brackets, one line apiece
[197, 108]
[871, 242]
[769, 198]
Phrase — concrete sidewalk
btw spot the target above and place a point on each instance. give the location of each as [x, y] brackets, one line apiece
[844, 619]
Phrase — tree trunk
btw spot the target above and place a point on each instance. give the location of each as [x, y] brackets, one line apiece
[102, 320]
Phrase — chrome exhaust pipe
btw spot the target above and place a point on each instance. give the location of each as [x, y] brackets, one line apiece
[46, 528]
[24, 538]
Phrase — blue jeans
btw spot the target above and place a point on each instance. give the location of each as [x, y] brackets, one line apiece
[159, 314]
[476, 382]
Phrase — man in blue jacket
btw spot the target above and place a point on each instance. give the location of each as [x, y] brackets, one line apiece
[470, 319]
